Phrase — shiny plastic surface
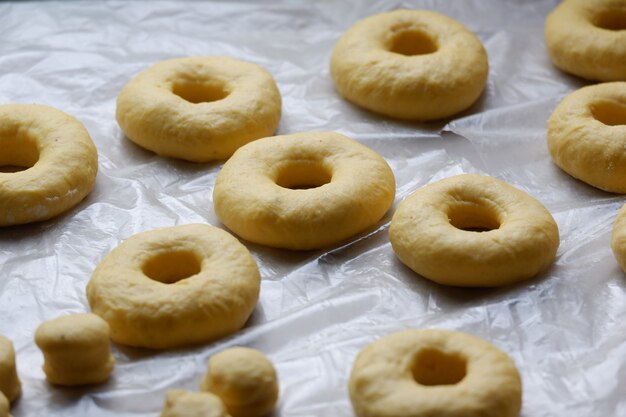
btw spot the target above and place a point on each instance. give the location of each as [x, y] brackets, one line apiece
[317, 310]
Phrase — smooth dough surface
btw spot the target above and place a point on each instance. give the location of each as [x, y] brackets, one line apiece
[618, 238]
[410, 64]
[244, 379]
[175, 286]
[588, 38]
[199, 108]
[9, 382]
[76, 349]
[434, 373]
[180, 403]
[257, 193]
[587, 135]
[473, 231]
[60, 158]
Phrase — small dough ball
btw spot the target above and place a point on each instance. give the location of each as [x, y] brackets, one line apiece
[244, 379]
[76, 349]
[9, 383]
[4, 406]
[193, 404]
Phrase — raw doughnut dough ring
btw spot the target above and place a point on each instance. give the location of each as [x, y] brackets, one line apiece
[410, 64]
[587, 135]
[60, 158]
[588, 38]
[175, 286]
[9, 382]
[618, 238]
[76, 349]
[179, 403]
[244, 379]
[256, 193]
[435, 232]
[199, 108]
[424, 373]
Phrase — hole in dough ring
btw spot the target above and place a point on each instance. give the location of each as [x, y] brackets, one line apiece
[588, 38]
[151, 313]
[587, 135]
[199, 108]
[431, 232]
[349, 188]
[60, 158]
[383, 379]
[439, 68]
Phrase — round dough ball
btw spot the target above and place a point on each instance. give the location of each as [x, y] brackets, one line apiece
[175, 286]
[303, 191]
[426, 373]
[9, 382]
[588, 38]
[618, 238]
[199, 108]
[193, 404]
[473, 231]
[410, 64]
[76, 349]
[587, 136]
[60, 159]
[244, 379]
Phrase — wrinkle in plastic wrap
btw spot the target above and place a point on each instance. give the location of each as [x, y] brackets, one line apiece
[564, 329]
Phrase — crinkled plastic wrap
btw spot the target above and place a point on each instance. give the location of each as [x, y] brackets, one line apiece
[317, 310]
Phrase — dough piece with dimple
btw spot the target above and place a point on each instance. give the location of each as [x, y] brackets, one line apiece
[587, 135]
[587, 38]
[434, 373]
[60, 158]
[180, 403]
[76, 349]
[9, 382]
[4, 406]
[199, 108]
[244, 379]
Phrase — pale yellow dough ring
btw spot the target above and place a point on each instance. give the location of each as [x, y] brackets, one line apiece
[256, 193]
[410, 64]
[587, 135]
[199, 108]
[175, 286]
[588, 38]
[618, 238]
[427, 373]
[431, 232]
[61, 158]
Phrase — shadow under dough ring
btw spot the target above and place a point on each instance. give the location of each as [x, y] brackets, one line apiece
[199, 108]
[473, 231]
[587, 135]
[175, 286]
[60, 158]
[588, 38]
[303, 191]
[410, 64]
[425, 373]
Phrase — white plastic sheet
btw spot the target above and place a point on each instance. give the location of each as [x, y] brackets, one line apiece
[564, 329]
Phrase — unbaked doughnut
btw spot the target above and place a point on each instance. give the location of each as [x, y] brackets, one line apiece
[199, 108]
[303, 191]
[473, 231]
[244, 379]
[193, 404]
[9, 382]
[60, 159]
[4, 406]
[410, 64]
[427, 373]
[618, 238]
[175, 286]
[587, 135]
[76, 349]
[588, 38]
